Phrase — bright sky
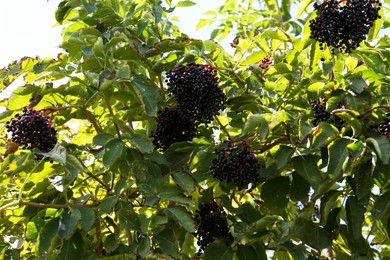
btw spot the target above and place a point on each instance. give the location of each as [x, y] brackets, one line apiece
[27, 27]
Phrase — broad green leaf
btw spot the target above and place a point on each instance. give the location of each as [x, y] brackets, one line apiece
[87, 218]
[47, 234]
[142, 142]
[68, 223]
[277, 34]
[323, 134]
[73, 248]
[144, 247]
[181, 215]
[245, 252]
[364, 180]
[107, 204]
[382, 204]
[296, 251]
[129, 219]
[247, 213]
[282, 155]
[307, 167]
[113, 150]
[302, 6]
[274, 194]
[218, 252]
[338, 156]
[355, 217]
[351, 120]
[262, 224]
[148, 92]
[185, 181]
[167, 242]
[300, 188]
[358, 83]
[358, 247]
[311, 234]
[110, 243]
[185, 3]
[32, 231]
[101, 139]
[381, 146]
[58, 154]
[328, 202]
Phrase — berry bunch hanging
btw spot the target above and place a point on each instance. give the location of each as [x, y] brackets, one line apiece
[196, 91]
[172, 126]
[321, 115]
[344, 24]
[32, 130]
[384, 127]
[211, 224]
[236, 163]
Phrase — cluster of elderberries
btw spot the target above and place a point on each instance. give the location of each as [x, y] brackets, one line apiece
[211, 223]
[32, 130]
[196, 91]
[384, 127]
[172, 126]
[236, 163]
[320, 113]
[344, 24]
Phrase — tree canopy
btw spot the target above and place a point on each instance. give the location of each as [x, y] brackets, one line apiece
[141, 142]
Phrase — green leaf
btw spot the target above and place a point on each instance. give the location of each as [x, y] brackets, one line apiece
[364, 180]
[355, 217]
[311, 234]
[68, 223]
[58, 154]
[381, 146]
[168, 243]
[129, 219]
[282, 155]
[113, 150]
[307, 167]
[185, 181]
[218, 252]
[72, 248]
[87, 218]
[302, 6]
[382, 204]
[324, 134]
[352, 120]
[107, 204]
[47, 234]
[300, 188]
[358, 83]
[148, 93]
[277, 34]
[246, 252]
[274, 194]
[185, 3]
[338, 156]
[101, 139]
[110, 243]
[142, 142]
[181, 215]
[144, 247]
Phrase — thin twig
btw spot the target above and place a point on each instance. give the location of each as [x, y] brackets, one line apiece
[113, 116]
[46, 206]
[240, 81]
[223, 127]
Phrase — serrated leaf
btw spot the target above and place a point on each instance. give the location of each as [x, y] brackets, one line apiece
[183, 217]
[185, 3]
[87, 218]
[129, 219]
[338, 156]
[307, 167]
[72, 248]
[110, 243]
[184, 180]
[218, 252]
[113, 150]
[47, 234]
[68, 223]
[149, 94]
[142, 142]
[274, 194]
[311, 234]
[355, 217]
[167, 242]
[381, 146]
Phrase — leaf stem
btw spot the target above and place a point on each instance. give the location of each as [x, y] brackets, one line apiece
[223, 127]
[239, 80]
[46, 206]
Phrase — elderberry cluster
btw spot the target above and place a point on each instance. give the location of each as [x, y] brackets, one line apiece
[196, 91]
[237, 164]
[172, 126]
[343, 25]
[384, 127]
[32, 130]
[211, 224]
[320, 113]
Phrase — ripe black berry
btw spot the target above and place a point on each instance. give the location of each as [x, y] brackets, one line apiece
[32, 130]
[196, 91]
[343, 24]
[384, 127]
[211, 224]
[172, 126]
[320, 113]
[237, 164]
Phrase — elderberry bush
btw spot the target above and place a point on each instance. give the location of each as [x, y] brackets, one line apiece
[196, 91]
[32, 130]
[343, 25]
[172, 126]
[211, 224]
[236, 164]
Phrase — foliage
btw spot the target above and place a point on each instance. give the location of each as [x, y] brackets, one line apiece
[108, 193]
